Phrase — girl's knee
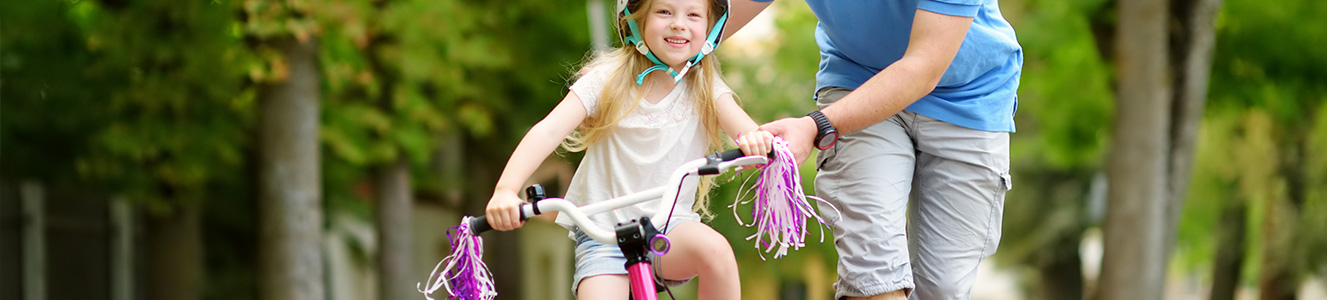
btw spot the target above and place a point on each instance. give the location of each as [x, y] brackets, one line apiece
[712, 246]
[703, 251]
[718, 259]
[722, 251]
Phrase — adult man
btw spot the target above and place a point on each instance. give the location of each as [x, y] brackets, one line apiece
[922, 93]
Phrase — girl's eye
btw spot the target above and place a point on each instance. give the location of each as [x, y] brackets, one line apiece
[694, 15]
[664, 12]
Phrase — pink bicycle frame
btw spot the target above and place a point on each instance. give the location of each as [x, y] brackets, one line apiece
[642, 281]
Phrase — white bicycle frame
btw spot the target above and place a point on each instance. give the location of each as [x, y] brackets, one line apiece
[580, 215]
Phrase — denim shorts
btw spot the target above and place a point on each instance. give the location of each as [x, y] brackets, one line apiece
[594, 258]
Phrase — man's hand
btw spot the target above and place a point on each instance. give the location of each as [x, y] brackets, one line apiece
[799, 132]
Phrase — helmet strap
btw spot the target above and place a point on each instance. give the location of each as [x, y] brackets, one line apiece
[711, 42]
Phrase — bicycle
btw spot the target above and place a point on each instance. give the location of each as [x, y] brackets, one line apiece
[636, 238]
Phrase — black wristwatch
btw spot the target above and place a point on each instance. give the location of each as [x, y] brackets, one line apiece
[827, 135]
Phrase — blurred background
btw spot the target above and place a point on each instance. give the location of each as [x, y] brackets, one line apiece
[303, 149]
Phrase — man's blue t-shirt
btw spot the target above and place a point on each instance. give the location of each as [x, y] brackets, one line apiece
[857, 39]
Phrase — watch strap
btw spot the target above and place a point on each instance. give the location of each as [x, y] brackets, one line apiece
[823, 127]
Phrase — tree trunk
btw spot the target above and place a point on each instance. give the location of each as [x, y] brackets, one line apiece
[1277, 278]
[175, 254]
[1062, 277]
[1230, 249]
[34, 240]
[1193, 37]
[290, 196]
[598, 25]
[394, 232]
[1280, 277]
[393, 185]
[1134, 260]
[123, 234]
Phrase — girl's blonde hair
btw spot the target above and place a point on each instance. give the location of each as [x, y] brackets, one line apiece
[621, 95]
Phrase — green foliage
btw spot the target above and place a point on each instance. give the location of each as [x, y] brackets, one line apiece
[50, 103]
[148, 102]
[1255, 66]
[1065, 96]
[1314, 247]
[400, 74]
[1213, 185]
[267, 19]
[154, 100]
[774, 75]
[138, 99]
[1065, 107]
[1266, 101]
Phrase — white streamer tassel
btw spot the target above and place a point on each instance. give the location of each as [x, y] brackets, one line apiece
[463, 273]
[780, 209]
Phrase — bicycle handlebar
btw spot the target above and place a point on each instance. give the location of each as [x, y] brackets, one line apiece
[727, 155]
[479, 224]
[712, 164]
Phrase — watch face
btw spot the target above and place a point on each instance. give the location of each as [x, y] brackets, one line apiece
[827, 140]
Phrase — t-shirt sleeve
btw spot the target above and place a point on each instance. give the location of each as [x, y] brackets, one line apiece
[590, 85]
[720, 88]
[961, 8]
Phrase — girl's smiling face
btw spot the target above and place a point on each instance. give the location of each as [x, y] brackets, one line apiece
[675, 29]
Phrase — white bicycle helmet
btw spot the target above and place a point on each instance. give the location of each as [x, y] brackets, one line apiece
[631, 35]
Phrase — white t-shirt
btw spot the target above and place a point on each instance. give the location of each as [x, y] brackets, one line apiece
[641, 153]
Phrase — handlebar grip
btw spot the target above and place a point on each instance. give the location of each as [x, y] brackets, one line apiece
[712, 167]
[479, 224]
[727, 155]
[734, 154]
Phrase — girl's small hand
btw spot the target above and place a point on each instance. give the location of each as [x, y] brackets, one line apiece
[757, 142]
[503, 211]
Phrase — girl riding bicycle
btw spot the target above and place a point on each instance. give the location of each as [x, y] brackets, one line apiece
[635, 126]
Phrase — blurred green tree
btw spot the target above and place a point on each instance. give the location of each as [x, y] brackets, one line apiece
[136, 99]
[1263, 176]
[412, 84]
[1163, 53]
[285, 35]
[1065, 98]
[428, 98]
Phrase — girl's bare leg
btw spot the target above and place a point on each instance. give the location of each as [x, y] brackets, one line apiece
[604, 287]
[699, 251]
